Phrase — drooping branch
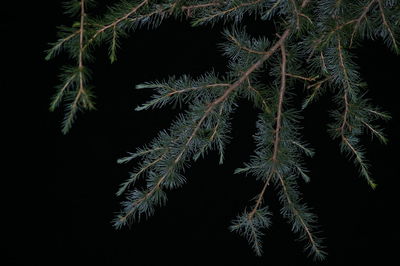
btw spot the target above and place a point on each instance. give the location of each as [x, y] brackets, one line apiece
[209, 108]
[277, 130]
[387, 26]
[314, 246]
[347, 137]
[319, 49]
[276, 148]
[81, 97]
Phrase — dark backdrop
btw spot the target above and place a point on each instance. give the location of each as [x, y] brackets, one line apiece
[60, 193]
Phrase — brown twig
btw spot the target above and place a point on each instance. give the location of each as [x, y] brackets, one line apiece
[301, 77]
[81, 90]
[346, 90]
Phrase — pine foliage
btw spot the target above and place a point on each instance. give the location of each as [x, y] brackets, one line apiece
[314, 45]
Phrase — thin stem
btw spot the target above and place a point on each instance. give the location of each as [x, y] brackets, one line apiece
[195, 88]
[301, 77]
[189, 9]
[81, 46]
[387, 25]
[360, 18]
[318, 84]
[297, 14]
[264, 103]
[260, 197]
[224, 12]
[60, 94]
[360, 161]
[305, 3]
[280, 104]
[200, 6]
[377, 133]
[81, 89]
[346, 90]
[241, 46]
[217, 125]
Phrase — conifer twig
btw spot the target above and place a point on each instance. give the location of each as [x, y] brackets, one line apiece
[360, 18]
[301, 77]
[117, 21]
[277, 128]
[385, 22]
[81, 96]
[224, 12]
[81, 50]
[275, 153]
[296, 213]
[243, 47]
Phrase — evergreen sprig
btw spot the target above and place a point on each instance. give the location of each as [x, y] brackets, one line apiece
[314, 45]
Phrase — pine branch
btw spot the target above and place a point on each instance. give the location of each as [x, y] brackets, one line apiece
[318, 253]
[315, 248]
[81, 97]
[57, 98]
[166, 98]
[314, 50]
[135, 176]
[347, 131]
[73, 89]
[359, 159]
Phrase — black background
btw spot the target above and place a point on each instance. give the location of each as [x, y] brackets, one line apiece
[59, 195]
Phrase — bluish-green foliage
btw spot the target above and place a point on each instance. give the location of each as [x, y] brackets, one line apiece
[314, 46]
